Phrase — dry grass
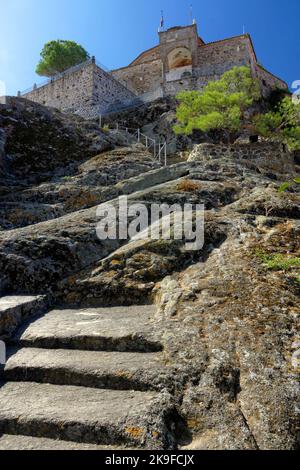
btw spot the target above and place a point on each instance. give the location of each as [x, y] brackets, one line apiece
[18, 216]
[82, 200]
[188, 186]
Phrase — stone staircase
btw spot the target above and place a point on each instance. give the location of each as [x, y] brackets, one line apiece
[87, 379]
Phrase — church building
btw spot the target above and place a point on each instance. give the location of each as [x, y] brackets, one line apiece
[181, 61]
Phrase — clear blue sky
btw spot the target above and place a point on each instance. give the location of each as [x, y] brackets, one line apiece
[116, 31]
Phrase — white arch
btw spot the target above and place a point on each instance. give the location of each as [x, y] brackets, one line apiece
[179, 57]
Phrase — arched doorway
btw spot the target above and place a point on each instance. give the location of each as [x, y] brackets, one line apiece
[179, 57]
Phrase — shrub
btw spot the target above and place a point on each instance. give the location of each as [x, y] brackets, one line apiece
[278, 261]
[281, 125]
[220, 106]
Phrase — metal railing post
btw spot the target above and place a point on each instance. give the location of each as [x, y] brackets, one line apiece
[159, 148]
[165, 153]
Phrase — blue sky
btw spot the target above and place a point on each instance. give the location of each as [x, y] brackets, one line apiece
[116, 31]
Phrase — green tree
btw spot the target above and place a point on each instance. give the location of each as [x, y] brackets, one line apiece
[281, 125]
[58, 56]
[220, 106]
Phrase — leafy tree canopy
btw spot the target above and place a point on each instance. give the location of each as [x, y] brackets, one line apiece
[282, 124]
[58, 56]
[221, 104]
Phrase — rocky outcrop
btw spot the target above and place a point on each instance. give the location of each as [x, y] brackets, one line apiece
[93, 182]
[41, 143]
[241, 323]
[156, 120]
[216, 330]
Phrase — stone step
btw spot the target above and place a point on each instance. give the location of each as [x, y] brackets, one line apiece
[95, 329]
[10, 442]
[113, 370]
[14, 309]
[87, 415]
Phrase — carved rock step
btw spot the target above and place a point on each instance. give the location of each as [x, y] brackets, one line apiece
[114, 370]
[15, 308]
[94, 329]
[10, 442]
[86, 415]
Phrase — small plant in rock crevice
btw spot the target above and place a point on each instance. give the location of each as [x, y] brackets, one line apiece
[278, 261]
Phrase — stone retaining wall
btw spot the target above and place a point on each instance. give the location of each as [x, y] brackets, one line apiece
[269, 156]
[87, 91]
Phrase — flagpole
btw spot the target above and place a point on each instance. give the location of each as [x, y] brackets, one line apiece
[162, 21]
[191, 13]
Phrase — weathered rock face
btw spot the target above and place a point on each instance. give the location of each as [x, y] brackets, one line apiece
[224, 321]
[40, 141]
[242, 326]
[94, 181]
[157, 120]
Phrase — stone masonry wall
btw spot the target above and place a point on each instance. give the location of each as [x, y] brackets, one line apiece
[141, 77]
[108, 93]
[217, 58]
[212, 61]
[269, 156]
[68, 92]
[87, 91]
[147, 56]
[268, 80]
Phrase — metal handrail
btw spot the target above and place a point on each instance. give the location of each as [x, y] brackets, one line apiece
[159, 148]
[58, 76]
[70, 70]
[136, 101]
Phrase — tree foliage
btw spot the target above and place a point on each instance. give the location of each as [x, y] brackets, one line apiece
[58, 56]
[221, 104]
[281, 125]
[287, 185]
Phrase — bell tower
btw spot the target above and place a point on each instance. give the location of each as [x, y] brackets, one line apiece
[179, 50]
